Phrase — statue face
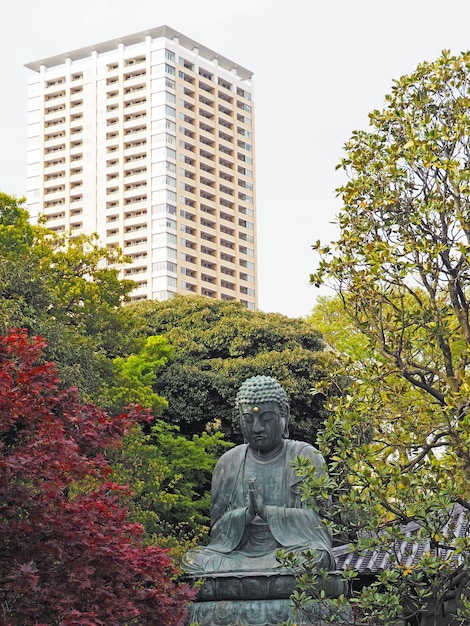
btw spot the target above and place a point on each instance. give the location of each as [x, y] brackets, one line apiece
[262, 425]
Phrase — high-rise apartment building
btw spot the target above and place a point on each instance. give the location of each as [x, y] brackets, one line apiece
[148, 140]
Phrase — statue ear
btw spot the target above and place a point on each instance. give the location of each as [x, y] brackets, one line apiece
[285, 434]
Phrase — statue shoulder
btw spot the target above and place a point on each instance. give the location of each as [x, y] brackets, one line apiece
[234, 455]
[302, 448]
[299, 446]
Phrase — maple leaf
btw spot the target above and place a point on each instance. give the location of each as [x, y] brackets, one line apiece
[68, 554]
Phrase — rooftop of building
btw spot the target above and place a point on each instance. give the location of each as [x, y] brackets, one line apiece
[155, 33]
[409, 550]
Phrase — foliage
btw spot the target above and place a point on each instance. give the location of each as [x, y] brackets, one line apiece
[217, 345]
[169, 476]
[398, 439]
[134, 376]
[67, 289]
[310, 598]
[68, 555]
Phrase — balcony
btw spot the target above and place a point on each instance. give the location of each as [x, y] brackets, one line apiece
[136, 79]
[55, 166]
[134, 147]
[136, 245]
[54, 113]
[53, 194]
[134, 218]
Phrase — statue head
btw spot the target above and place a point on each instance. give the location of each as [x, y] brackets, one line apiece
[263, 407]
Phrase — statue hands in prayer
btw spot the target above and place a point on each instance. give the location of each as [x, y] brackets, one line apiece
[256, 504]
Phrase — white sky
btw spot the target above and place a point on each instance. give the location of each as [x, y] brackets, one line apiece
[319, 68]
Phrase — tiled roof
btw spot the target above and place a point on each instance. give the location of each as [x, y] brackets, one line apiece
[406, 552]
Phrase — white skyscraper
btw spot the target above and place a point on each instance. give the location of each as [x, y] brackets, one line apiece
[148, 140]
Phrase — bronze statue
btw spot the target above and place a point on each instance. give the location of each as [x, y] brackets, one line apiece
[256, 505]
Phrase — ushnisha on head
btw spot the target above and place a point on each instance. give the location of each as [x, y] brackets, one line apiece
[263, 407]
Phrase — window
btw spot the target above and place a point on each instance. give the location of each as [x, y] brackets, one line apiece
[246, 250]
[243, 131]
[169, 69]
[165, 223]
[188, 286]
[54, 96]
[160, 295]
[243, 106]
[160, 238]
[226, 216]
[185, 63]
[187, 243]
[187, 229]
[205, 73]
[243, 93]
[187, 215]
[244, 145]
[227, 98]
[225, 136]
[224, 83]
[164, 138]
[157, 209]
[55, 81]
[163, 266]
[134, 60]
[188, 272]
[186, 77]
[206, 100]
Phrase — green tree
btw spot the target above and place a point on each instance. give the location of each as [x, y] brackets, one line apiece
[133, 379]
[398, 439]
[67, 289]
[169, 476]
[219, 344]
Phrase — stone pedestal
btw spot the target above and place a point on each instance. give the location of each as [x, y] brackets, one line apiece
[261, 600]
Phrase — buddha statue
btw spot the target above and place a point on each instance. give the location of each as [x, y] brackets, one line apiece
[257, 507]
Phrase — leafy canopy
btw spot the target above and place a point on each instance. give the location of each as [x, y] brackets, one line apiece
[169, 475]
[68, 290]
[68, 552]
[133, 378]
[170, 478]
[398, 438]
[217, 345]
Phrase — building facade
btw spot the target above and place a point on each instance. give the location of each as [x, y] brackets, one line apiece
[148, 140]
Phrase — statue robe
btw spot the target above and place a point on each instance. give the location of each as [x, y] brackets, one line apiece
[238, 547]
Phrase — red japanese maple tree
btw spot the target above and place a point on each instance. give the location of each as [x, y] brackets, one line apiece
[68, 554]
